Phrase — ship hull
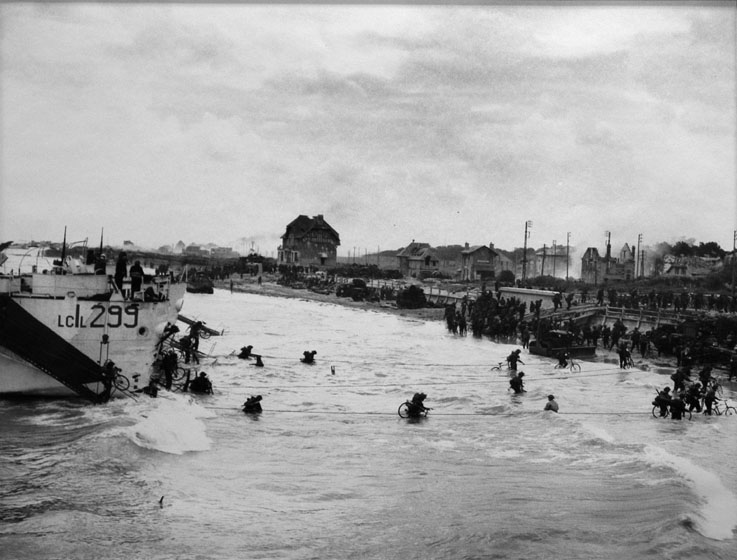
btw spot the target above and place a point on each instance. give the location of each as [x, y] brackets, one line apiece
[121, 330]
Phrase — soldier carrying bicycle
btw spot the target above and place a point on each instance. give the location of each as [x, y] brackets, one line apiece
[709, 399]
[663, 401]
[109, 373]
[563, 358]
[416, 406]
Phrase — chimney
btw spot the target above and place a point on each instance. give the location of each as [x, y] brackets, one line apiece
[491, 245]
[466, 247]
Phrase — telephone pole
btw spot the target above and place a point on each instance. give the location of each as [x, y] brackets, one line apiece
[568, 245]
[528, 226]
[638, 269]
[545, 248]
[555, 254]
[734, 258]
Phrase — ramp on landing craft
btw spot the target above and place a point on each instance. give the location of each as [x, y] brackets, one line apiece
[23, 334]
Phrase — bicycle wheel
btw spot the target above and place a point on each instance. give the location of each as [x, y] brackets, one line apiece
[179, 374]
[730, 410]
[121, 382]
[575, 368]
[656, 412]
[205, 334]
[403, 410]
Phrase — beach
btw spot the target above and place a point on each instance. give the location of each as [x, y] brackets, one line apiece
[269, 287]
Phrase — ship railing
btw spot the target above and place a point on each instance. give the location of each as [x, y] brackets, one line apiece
[159, 285]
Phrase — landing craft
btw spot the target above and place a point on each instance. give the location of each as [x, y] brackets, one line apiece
[61, 325]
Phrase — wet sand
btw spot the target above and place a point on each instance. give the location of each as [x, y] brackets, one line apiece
[271, 288]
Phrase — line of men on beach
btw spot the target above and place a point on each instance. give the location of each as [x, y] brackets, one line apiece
[665, 300]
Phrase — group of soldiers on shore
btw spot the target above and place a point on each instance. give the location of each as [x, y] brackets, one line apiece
[688, 394]
[489, 314]
[664, 300]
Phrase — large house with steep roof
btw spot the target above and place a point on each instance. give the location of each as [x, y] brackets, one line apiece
[309, 242]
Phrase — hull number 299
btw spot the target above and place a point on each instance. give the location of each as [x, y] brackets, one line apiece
[113, 317]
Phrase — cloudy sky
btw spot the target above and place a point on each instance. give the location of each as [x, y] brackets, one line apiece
[444, 124]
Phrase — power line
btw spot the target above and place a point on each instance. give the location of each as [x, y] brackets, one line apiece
[368, 413]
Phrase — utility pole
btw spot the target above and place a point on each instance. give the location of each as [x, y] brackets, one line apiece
[608, 248]
[568, 243]
[555, 254]
[638, 269]
[734, 258]
[542, 272]
[528, 226]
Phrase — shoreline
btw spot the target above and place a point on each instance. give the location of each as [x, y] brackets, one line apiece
[273, 289]
[664, 365]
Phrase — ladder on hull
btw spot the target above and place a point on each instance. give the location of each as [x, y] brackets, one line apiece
[37, 344]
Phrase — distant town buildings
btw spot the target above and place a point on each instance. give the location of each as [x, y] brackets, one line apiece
[690, 267]
[223, 253]
[417, 260]
[195, 251]
[596, 269]
[479, 262]
[309, 242]
[549, 261]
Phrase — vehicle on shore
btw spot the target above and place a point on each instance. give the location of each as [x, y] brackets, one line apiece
[555, 342]
[60, 329]
[200, 283]
[356, 289]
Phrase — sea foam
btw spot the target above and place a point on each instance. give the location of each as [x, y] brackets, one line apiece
[717, 517]
[173, 425]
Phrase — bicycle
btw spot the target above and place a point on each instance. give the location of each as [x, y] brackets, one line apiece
[121, 382]
[498, 367]
[726, 411]
[572, 366]
[406, 406]
[113, 376]
[656, 413]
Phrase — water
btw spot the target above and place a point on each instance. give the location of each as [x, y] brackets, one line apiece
[330, 471]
